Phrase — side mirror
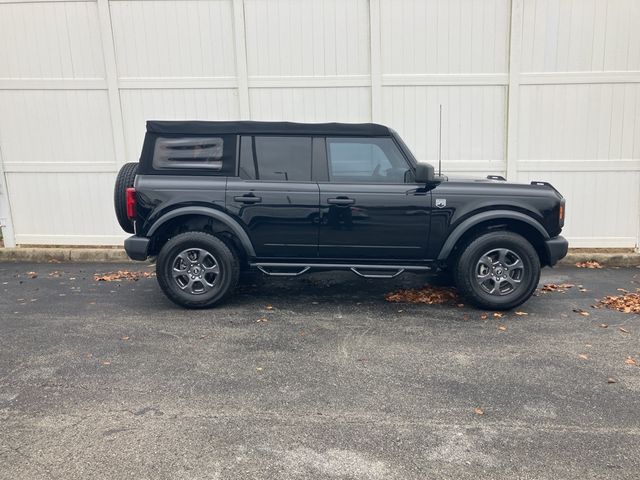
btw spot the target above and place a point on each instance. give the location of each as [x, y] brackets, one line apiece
[424, 173]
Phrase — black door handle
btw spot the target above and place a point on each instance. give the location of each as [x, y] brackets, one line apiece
[248, 198]
[341, 201]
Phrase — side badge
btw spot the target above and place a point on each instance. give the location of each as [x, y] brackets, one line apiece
[441, 202]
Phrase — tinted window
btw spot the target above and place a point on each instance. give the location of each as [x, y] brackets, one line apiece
[214, 155]
[276, 158]
[365, 160]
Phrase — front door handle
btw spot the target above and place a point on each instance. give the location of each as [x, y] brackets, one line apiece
[343, 201]
[248, 198]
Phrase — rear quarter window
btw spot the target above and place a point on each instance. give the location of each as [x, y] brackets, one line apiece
[192, 155]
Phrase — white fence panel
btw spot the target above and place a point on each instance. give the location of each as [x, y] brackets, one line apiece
[79, 78]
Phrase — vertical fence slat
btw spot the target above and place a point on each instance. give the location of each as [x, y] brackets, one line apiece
[513, 92]
[109, 55]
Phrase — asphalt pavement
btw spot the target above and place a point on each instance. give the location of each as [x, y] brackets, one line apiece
[312, 377]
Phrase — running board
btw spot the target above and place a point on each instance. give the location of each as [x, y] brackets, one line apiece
[269, 268]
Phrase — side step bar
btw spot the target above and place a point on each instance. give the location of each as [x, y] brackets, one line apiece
[274, 269]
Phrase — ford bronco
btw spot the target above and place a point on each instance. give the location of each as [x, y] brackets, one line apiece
[209, 199]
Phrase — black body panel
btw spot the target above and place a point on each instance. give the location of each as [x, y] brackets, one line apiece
[374, 221]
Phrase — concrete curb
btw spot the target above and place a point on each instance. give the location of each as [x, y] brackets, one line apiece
[117, 255]
[63, 255]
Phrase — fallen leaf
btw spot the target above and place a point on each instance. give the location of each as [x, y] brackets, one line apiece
[603, 325]
[627, 303]
[269, 307]
[465, 317]
[428, 294]
[583, 290]
[631, 361]
[125, 338]
[588, 264]
[106, 363]
[484, 316]
[553, 287]
[611, 380]
[478, 411]
[261, 320]
[584, 356]
[32, 274]
[258, 369]
[581, 312]
[623, 330]
[497, 315]
[122, 275]
[521, 313]
[460, 305]
[502, 328]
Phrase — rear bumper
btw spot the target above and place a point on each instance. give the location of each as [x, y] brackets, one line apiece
[136, 247]
[557, 248]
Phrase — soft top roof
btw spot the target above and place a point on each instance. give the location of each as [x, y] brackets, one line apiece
[283, 128]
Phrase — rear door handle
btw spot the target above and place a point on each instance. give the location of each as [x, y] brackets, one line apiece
[341, 201]
[247, 198]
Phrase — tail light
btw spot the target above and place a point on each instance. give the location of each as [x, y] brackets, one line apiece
[131, 203]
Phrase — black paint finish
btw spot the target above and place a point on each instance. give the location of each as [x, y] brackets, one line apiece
[323, 221]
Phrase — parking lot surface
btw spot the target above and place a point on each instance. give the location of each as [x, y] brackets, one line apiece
[313, 377]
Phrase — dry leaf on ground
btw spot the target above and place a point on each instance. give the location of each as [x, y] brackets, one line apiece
[497, 315]
[502, 328]
[611, 380]
[623, 330]
[122, 275]
[588, 264]
[520, 314]
[581, 312]
[554, 287]
[631, 361]
[478, 411]
[32, 274]
[428, 294]
[627, 303]
[584, 356]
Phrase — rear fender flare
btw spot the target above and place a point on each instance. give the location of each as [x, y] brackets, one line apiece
[478, 218]
[222, 217]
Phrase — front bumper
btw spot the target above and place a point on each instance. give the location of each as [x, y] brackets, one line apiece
[557, 248]
[137, 247]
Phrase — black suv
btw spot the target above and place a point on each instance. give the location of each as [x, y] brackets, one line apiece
[212, 198]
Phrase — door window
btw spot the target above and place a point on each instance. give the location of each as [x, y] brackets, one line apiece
[365, 160]
[275, 158]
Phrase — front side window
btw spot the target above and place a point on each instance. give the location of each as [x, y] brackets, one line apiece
[366, 160]
[276, 158]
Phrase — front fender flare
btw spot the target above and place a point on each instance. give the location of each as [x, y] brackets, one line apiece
[222, 217]
[471, 222]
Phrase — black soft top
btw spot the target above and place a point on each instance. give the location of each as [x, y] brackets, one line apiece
[190, 127]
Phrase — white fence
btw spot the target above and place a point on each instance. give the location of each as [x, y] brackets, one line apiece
[534, 89]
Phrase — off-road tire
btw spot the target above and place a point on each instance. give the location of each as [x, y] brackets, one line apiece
[124, 180]
[468, 270]
[225, 281]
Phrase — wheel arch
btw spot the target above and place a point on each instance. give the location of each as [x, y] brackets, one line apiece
[511, 221]
[198, 218]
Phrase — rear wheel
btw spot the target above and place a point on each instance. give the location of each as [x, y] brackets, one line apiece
[497, 270]
[126, 177]
[197, 270]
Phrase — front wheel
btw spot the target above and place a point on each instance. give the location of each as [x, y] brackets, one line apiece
[197, 270]
[498, 270]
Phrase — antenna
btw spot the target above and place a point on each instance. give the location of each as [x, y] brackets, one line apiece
[440, 144]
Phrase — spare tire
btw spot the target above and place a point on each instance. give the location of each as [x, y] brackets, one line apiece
[124, 180]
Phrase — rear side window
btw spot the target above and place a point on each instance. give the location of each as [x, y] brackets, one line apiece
[205, 154]
[275, 158]
[366, 160]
